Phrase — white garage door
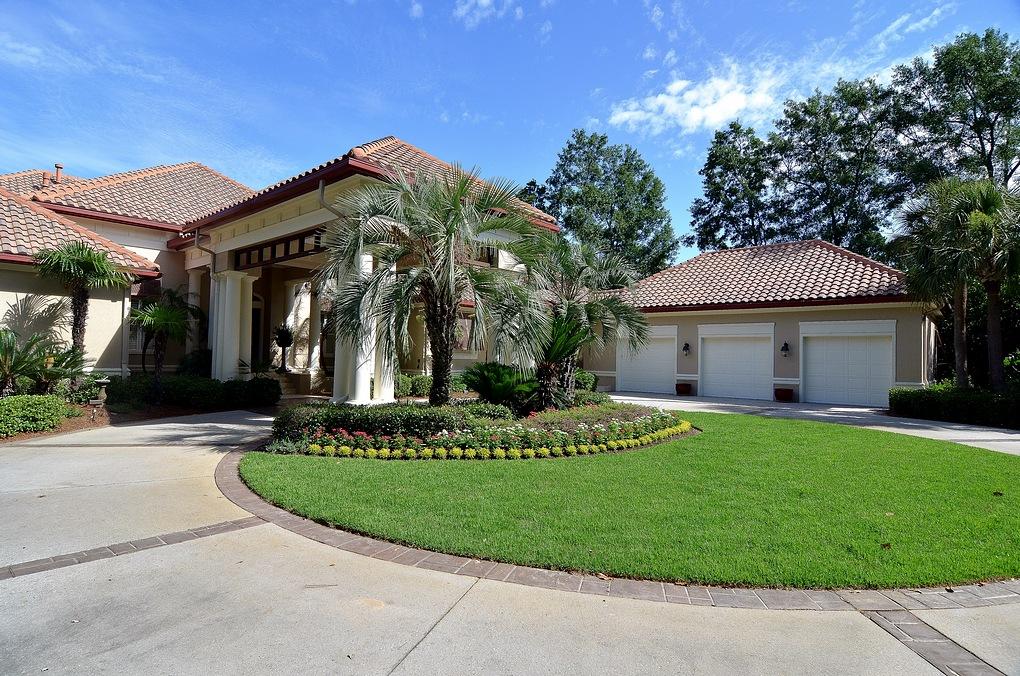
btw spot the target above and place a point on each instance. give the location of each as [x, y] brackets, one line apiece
[736, 367]
[848, 370]
[652, 369]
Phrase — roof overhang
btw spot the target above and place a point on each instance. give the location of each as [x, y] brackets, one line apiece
[859, 300]
[110, 218]
[330, 173]
[24, 259]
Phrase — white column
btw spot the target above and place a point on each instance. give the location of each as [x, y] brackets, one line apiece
[125, 333]
[214, 292]
[314, 330]
[341, 371]
[195, 298]
[226, 338]
[244, 323]
[364, 353]
[384, 366]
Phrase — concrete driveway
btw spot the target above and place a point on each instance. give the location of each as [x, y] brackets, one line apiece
[992, 438]
[251, 597]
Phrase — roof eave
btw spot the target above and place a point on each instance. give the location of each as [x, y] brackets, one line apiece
[110, 218]
[25, 259]
[814, 302]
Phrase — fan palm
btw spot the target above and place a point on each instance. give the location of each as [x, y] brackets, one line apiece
[165, 322]
[931, 220]
[33, 314]
[172, 298]
[21, 358]
[427, 237]
[80, 268]
[584, 289]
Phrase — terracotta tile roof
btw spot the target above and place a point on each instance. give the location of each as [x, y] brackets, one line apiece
[174, 194]
[388, 154]
[27, 182]
[774, 274]
[28, 227]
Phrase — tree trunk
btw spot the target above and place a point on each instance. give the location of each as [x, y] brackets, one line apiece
[960, 334]
[996, 372]
[145, 350]
[8, 387]
[79, 315]
[567, 377]
[158, 357]
[440, 322]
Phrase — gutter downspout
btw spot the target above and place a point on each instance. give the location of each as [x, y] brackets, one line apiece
[211, 329]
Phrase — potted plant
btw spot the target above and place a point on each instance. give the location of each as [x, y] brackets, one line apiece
[283, 336]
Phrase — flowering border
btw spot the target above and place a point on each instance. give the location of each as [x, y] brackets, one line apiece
[498, 443]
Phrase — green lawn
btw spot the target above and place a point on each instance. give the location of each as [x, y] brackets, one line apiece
[751, 501]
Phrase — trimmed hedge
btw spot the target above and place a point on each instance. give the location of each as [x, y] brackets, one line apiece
[196, 392]
[586, 398]
[420, 385]
[401, 386]
[945, 401]
[31, 413]
[418, 419]
[585, 380]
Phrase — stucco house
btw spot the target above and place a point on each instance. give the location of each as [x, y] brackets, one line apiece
[248, 257]
[806, 320]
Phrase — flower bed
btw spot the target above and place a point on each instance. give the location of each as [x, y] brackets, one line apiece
[584, 431]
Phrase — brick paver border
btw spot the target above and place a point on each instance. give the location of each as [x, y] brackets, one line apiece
[964, 596]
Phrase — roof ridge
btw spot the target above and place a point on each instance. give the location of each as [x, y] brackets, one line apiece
[218, 173]
[366, 148]
[46, 194]
[856, 256]
[88, 234]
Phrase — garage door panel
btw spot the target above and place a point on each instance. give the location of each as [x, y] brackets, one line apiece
[738, 367]
[651, 369]
[856, 370]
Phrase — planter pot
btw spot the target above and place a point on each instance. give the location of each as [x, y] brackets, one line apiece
[683, 389]
[784, 394]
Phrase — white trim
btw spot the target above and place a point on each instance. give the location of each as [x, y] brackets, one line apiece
[901, 383]
[268, 233]
[866, 327]
[788, 308]
[786, 381]
[761, 329]
[603, 373]
[687, 376]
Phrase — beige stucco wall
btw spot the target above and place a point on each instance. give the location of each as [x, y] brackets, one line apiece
[103, 333]
[913, 339]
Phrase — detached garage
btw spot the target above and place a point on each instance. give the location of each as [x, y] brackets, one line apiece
[804, 321]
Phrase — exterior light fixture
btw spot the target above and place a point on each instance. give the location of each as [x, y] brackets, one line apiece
[785, 349]
[686, 349]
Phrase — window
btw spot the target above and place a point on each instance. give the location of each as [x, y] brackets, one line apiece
[136, 336]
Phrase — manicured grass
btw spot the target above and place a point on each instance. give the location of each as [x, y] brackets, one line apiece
[751, 501]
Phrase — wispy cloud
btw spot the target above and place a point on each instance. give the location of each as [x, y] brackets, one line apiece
[417, 10]
[650, 53]
[474, 12]
[670, 59]
[545, 31]
[932, 19]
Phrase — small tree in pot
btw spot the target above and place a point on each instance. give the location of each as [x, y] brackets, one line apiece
[283, 336]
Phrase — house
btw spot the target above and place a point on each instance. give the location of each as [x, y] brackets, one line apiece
[823, 323]
[248, 258]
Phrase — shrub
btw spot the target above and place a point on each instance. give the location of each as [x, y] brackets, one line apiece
[945, 401]
[31, 413]
[196, 392]
[498, 383]
[196, 363]
[585, 381]
[262, 392]
[420, 385]
[457, 383]
[410, 419]
[83, 392]
[481, 409]
[284, 446]
[586, 398]
[401, 386]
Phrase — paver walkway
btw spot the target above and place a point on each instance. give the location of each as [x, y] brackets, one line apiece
[257, 598]
[992, 438]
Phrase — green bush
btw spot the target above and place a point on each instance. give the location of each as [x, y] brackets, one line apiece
[498, 383]
[401, 386]
[262, 391]
[30, 413]
[587, 398]
[585, 380]
[410, 419]
[85, 391]
[195, 392]
[945, 401]
[196, 363]
[482, 409]
[457, 383]
[420, 385]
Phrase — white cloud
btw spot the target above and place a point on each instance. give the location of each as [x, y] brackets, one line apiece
[545, 31]
[891, 33]
[670, 59]
[19, 53]
[474, 12]
[930, 21]
[655, 14]
[650, 53]
[416, 10]
[649, 74]
[733, 91]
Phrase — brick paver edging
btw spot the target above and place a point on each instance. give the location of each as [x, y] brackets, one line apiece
[966, 596]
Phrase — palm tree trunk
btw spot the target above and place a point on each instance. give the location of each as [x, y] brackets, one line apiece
[158, 357]
[960, 334]
[79, 315]
[567, 376]
[996, 371]
[145, 349]
[441, 322]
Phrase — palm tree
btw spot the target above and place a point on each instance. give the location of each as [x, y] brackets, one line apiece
[969, 230]
[173, 298]
[427, 237]
[932, 219]
[585, 292]
[165, 322]
[21, 358]
[80, 268]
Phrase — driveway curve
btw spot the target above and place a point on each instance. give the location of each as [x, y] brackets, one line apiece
[209, 587]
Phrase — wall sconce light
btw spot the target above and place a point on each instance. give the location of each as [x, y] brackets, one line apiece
[785, 349]
[686, 349]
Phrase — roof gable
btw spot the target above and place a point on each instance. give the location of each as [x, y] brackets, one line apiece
[791, 273]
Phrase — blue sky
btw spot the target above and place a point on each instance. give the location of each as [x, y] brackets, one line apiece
[266, 91]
